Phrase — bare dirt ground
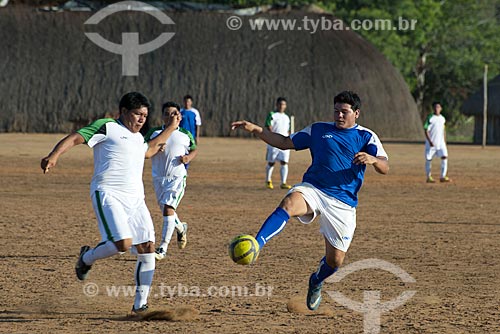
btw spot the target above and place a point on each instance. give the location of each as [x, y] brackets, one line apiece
[446, 236]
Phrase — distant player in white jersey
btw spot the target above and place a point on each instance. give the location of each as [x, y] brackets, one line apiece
[340, 152]
[279, 122]
[169, 177]
[435, 143]
[117, 191]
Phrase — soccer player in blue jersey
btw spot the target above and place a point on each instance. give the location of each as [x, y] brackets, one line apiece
[340, 151]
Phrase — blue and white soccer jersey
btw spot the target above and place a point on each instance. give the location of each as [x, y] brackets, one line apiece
[435, 127]
[169, 173]
[331, 184]
[279, 123]
[116, 189]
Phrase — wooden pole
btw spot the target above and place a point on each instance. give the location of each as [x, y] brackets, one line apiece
[485, 104]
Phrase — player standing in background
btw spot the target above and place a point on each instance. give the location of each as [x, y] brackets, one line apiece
[169, 177]
[435, 143]
[191, 119]
[340, 151]
[117, 191]
[279, 122]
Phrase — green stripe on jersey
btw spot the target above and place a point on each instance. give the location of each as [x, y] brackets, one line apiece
[101, 214]
[269, 118]
[148, 135]
[192, 145]
[95, 127]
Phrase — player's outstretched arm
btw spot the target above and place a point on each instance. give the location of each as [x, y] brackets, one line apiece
[156, 144]
[381, 164]
[272, 138]
[62, 146]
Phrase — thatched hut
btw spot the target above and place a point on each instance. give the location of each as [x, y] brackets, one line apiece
[53, 76]
[474, 105]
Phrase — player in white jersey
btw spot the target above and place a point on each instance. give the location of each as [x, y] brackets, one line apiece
[117, 190]
[435, 143]
[340, 151]
[169, 177]
[279, 122]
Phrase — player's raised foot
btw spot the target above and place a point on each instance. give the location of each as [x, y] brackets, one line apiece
[445, 179]
[269, 185]
[313, 295]
[430, 179]
[81, 269]
[182, 237]
[285, 186]
[160, 253]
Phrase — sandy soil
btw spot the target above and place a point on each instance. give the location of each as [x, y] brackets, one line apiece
[446, 236]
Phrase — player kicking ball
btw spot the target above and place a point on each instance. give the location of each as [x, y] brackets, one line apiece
[340, 151]
[169, 177]
[117, 190]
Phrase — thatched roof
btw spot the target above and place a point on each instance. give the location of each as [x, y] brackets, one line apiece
[52, 74]
[474, 104]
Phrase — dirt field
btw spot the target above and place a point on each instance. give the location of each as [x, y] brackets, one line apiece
[446, 236]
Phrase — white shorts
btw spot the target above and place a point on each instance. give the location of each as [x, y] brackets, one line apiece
[169, 192]
[274, 154]
[123, 218]
[430, 152]
[337, 219]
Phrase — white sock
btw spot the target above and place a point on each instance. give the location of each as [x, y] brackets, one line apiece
[284, 173]
[101, 251]
[144, 271]
[444, 167]
[178, 225]
[167, 231]
[428, 164]
[269, 172]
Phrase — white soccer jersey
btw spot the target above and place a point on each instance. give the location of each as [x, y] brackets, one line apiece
[118, 157]
[167, 164]
[434, 124]
[279, 123]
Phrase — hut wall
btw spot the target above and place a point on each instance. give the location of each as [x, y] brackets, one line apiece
[54, 77]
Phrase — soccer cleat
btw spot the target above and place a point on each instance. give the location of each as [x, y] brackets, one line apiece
[445, 179]
[81, 269]
[141, 310]
[160, 254]
[182, 237]
[285, 186]
[313, 295]
[269, 185]
[430, 180]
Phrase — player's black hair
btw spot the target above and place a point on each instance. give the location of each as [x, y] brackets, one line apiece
[348, 97]
[435, 103]
[170, 104]
[134, 100]
[280, 99]
[187, 97]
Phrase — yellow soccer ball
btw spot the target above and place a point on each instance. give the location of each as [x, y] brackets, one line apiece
[243, 249]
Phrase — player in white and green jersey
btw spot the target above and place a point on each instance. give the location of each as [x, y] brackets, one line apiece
[279, 122]
[169, 177]
[435, 143]
[117, 190]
